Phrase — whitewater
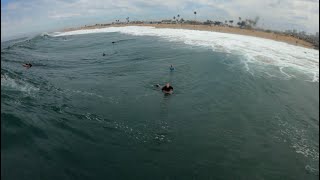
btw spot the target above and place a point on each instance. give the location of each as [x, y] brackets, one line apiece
[255, 50]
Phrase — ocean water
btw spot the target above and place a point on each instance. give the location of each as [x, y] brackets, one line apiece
[242, 107]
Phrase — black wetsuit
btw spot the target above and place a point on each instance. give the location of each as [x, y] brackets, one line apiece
[167, 89]
[28, 65]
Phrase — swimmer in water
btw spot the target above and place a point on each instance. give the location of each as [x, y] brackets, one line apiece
[27, 65]
[167, 89]
[103, 54]
[171, 68]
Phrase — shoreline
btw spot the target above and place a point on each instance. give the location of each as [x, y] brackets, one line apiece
[222, 29]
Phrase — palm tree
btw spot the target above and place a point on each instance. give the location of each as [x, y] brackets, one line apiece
[239, 18]
[181, 21]
[178, 17]
[256, 20]
[195, 16]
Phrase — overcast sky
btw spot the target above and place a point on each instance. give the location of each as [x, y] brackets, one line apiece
[20, 17]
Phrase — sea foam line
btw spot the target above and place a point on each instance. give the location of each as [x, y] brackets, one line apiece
[16, 84]
[256, 50]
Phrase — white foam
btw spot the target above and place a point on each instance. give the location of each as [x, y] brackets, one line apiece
[255, 50]
[17, 84]
[281, 70]
[300, 141]
[84, 93]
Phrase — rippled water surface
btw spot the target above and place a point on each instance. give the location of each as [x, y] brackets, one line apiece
[239, 110]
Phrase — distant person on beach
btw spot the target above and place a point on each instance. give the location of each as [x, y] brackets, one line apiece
[167, 89]
[171, 68]
[27, 65]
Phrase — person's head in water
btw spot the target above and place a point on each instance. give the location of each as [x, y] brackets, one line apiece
[27, 65]
[171, 67]
[167, 89]
[103, 54]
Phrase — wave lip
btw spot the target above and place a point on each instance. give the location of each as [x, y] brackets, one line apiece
[255, 50]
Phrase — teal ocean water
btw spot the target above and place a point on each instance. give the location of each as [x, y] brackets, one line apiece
[242, 108]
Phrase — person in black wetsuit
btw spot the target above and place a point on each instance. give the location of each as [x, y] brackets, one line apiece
[167, 89]
[171, 68]
[27, 65]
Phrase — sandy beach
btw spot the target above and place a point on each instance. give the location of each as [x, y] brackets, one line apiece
[233, 30]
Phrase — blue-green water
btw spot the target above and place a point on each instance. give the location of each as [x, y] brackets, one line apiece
[76, 114]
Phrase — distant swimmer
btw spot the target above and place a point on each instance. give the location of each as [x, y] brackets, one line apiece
[171, 68]
[157, 85]
[167, 89]
[27, 65]
[113, 42]
[103, 54]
